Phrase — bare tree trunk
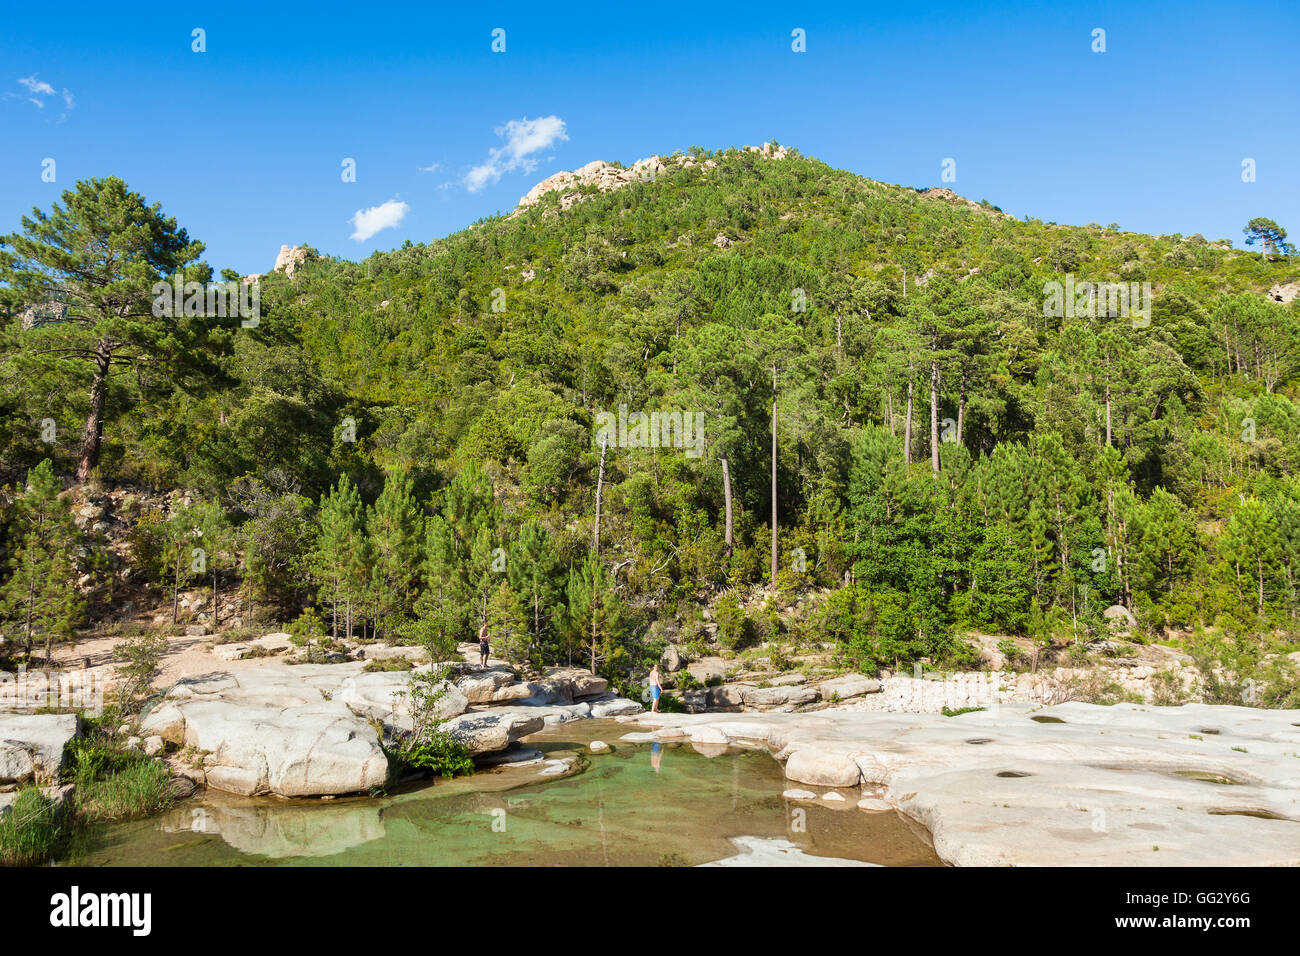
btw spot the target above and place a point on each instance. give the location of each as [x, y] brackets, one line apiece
[726, 495]
[961, 407]
[934, 414]
[600, 485]
[93, 432]
[774, 547]
[907, 428]
[1108, 437]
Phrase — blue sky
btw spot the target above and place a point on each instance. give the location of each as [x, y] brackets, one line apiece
[244, 143]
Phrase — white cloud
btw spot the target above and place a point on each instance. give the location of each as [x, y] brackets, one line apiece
[431, 168]
[39, 87]
[367, 222]
[523, 137]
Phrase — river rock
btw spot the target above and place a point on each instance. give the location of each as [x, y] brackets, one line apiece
[278, 729]
[582, 683]
[258, 748]
[728, 696]
[850, 685]
[826, 768]
[794, 696]
[708, 669]
[482, 687]
[484, 731]
[671, 659]
[31, 746]
[1097, 786]
[610, 705]
[385, 696]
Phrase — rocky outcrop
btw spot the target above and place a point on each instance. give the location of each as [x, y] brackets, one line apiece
[290, 258]
[1072, 784]
[31, 746]
[1286, 293]
[268, 732]
[319, 729]
[600, 177]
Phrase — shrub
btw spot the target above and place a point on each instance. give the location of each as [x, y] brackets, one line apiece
[734, 628]
[425, 747]
[139, 656]
[437, 753]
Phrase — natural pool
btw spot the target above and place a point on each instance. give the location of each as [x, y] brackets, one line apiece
[640, 805]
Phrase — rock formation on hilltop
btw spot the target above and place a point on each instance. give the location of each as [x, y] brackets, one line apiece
[289, 258]
[606, 177]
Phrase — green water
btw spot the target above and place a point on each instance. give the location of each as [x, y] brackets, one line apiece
[640, 805]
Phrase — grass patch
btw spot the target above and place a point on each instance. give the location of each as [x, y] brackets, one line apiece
[388, 664]
[113, 783]
[958, 711]
[140, 790]
[30, 833]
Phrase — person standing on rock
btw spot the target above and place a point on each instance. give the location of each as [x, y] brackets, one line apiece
[655, 689]
[483, 647]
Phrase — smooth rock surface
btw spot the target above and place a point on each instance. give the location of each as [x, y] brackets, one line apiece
[31, 746]
[1097, 786]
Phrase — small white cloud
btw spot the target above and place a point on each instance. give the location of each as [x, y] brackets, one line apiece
[523, 137]
[367, 222]
[39, 87]
[431, 168]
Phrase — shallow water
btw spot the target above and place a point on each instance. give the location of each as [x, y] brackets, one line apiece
[642, 804]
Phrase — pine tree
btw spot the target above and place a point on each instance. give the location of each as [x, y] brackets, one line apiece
[40, 596]
[534, 575]
[395, 527]
[596, 616]
[100, 253]
[341, 551]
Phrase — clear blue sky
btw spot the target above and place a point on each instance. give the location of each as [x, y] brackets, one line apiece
[243, 143]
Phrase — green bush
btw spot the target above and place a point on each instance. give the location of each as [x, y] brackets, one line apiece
[437, 753]
[734, 629]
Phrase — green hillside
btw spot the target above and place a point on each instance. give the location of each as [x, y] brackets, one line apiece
[415, 437]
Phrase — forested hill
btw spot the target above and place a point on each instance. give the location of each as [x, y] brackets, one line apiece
[956, 448]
